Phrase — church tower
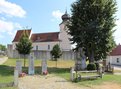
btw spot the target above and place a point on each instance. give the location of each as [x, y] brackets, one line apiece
[65, 44]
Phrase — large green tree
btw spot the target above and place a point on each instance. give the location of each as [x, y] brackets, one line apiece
[56, 53]
[91, 27]
[24, 45]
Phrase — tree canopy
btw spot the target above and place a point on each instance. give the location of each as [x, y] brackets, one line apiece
[2, 47]
[24, 45]
[56, 53]
[92, 26]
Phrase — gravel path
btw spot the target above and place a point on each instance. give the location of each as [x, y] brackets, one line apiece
[55, 82]
[3, 59]
[46, 82]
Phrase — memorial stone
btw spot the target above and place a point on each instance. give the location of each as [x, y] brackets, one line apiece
[31, 64]
[44, 66]
[19, 66]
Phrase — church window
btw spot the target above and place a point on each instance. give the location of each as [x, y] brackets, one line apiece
[117, 60]
[37, 47]
[48, 47]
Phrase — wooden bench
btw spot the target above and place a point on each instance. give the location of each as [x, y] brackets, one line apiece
[88, 74]
[85, 74]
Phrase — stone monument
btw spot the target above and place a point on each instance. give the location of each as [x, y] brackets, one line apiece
[44, 66]
[80, 63]
[19, 66]
[83, 59]
[31, 64]
[16, 75]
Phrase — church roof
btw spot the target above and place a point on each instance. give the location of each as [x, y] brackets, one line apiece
[116, 51]
[20, 33]
[45, 37]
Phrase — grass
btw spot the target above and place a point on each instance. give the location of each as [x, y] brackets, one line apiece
[62, 70]
[7, 69]
[89, 82]
[9, 88]
[6, 72]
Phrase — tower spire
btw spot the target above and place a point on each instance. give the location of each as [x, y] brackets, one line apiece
[66, 16]
[66, 11]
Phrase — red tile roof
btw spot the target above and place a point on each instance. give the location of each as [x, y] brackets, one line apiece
[116, 51]
[45, 37]
[19, 34]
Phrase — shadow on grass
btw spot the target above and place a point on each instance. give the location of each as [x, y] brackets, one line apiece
[9, 70]
[51, 70]
[6, 70]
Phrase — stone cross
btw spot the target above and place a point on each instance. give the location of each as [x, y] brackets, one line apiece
[31, 64]
[19, 66]
[44, 65]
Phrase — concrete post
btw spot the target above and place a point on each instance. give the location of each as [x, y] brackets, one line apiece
[16, 75]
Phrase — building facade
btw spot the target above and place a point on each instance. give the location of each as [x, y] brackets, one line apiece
[115, 56]
[43, 42]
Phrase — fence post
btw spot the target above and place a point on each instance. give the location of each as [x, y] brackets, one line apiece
[72, 74]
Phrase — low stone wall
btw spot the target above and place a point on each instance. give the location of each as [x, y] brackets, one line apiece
[66, 55]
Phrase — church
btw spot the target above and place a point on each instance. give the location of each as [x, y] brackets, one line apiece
[43, 42]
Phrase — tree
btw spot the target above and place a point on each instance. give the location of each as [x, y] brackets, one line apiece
[24, 46]
[91, 27]
[2, 47]
[56, 53]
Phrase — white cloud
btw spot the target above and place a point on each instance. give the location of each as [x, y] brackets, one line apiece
[117, 33]
[11, 9]
[57, 14]
[8, 27]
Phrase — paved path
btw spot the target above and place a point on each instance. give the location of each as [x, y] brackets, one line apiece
[3, 59]
[46, 82]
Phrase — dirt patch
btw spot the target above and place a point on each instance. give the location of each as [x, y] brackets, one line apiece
[2, 60]
[55, 82]
[46, 82]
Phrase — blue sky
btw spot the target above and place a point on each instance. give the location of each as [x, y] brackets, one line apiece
[40, 15]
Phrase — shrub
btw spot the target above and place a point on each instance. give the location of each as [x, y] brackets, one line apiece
[91, 66]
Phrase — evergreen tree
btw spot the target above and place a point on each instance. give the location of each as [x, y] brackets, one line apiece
[56, 53]
[24, 46]
[91, 27]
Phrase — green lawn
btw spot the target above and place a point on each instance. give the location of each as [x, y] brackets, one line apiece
[9, 88]
[89, 82]
[7, 69]
[62, 70]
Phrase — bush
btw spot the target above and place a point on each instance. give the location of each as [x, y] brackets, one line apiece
[91, 66]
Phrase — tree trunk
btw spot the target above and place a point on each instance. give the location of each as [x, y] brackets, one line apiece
[24, 61]
[91, 57]
[56, 62]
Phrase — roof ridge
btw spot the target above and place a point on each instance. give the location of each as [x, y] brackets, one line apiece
[45, 33]
[23, 29]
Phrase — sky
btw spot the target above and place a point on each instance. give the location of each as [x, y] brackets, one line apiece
[40, 15]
